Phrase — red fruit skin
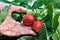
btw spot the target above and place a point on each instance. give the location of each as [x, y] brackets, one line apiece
[37, 25]
[28, 19]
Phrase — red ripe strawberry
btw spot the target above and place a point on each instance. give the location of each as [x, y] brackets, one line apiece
[37, 25]
[28, 19]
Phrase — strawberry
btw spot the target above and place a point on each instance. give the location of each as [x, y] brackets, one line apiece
[37, 25]
[28, 19]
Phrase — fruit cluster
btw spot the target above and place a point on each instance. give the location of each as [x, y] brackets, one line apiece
[29, 20]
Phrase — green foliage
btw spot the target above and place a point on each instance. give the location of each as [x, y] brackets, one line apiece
[42, 34]
[25, 38]
[3, 13]
[15, 16]
[52, 23]
[55, 36]
[39, 13]
[56, 3]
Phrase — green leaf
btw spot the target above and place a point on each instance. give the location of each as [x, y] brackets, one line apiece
[3, 13]
[20, 17]
[46, 2]
[20, 1]
[14, 2]
[52, 23]
[37, 4]
[2, 0]
[55, 36]
[15, 15]
[57, 11]
[58, 29]
[31, 2]
[56, 3]
[42, 34]
[25, 38]
[43, 13]
[26, 5]
[40, 13]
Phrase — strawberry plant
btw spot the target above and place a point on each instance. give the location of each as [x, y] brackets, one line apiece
[46, 11]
